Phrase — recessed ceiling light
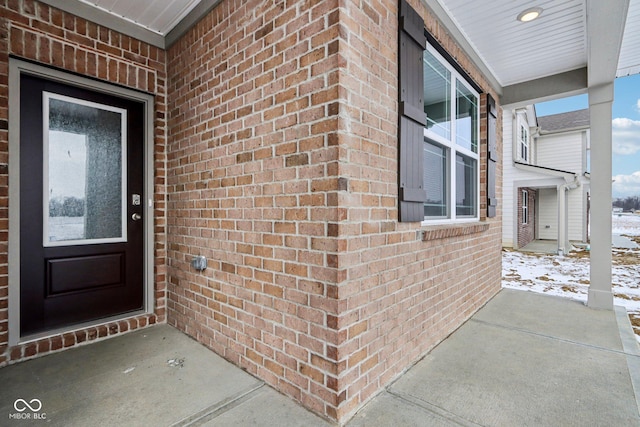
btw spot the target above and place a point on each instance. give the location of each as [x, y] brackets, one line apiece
[529, 14]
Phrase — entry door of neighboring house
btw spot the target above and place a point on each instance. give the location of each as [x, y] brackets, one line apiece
[547, 214]
[81, 185]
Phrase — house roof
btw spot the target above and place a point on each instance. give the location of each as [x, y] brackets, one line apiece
[567, 175]
[573, 45]
[565, 121]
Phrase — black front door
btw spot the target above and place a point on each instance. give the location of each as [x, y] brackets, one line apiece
[81, 193]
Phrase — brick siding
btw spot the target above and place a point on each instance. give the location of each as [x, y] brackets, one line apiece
[254, 184]
[281, 169]
[526, 232]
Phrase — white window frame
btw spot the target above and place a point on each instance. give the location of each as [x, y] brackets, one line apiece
[452, 149]
[525, 207]
[46, 240]
[524, 140]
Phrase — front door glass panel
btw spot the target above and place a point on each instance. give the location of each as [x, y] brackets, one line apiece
[85, 146]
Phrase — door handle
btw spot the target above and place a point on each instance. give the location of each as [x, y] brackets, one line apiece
[136, 217]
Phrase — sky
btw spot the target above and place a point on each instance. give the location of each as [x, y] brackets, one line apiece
[626, 131]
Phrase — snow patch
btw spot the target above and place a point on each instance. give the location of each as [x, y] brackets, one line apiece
[568, 276]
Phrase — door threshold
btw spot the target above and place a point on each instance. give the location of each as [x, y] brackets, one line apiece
[80, 326]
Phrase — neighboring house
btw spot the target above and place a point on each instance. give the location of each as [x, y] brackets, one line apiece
[546, 178]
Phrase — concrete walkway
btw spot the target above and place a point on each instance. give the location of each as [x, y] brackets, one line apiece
[551, 246]
[523, 360]
[541, 247]
[621, 242]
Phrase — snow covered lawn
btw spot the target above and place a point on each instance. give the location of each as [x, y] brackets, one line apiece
[568, 276]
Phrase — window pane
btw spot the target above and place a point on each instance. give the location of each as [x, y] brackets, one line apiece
[466, 118]
[466, 186]
[84, 145]
[435, 180]
[524, 143]
[437, 96]
[67, 185]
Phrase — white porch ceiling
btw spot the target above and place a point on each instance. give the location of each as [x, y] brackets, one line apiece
[159, 16]
[629, 62]
[516, 51]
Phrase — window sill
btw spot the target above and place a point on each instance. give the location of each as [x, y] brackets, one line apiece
[436, 232]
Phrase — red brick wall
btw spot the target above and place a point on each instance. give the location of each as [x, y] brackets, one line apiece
[254, 185]
[526, 232]
[406, 286]
[282, 171]
[37, 32]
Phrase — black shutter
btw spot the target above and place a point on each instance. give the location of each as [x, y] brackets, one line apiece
[492, 156]
[412, 120]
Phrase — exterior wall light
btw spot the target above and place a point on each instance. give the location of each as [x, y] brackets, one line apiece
[529, 14]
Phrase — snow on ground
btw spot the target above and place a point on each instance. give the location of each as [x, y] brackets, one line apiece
[568, 276]
[66, 228]
[626, 224]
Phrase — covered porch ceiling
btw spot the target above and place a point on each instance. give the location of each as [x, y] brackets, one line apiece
[573, 45]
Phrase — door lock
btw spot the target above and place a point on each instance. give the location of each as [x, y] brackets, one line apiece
[136, 216]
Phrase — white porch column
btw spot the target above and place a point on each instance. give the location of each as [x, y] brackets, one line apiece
[600, 114]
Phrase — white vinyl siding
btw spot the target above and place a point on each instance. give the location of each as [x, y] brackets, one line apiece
[508, 176]
[576, 213]
[548, 214]
[561, 151]
[514, 179]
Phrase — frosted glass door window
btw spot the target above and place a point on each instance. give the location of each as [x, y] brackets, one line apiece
[85, 170]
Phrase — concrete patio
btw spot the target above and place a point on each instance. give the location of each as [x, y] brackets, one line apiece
[541, 247]
[524, 359]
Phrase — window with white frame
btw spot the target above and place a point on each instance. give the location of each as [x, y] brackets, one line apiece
[523, 141]
[525, 207]
[451, 142]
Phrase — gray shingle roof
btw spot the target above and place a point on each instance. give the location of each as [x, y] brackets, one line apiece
[564, 121]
